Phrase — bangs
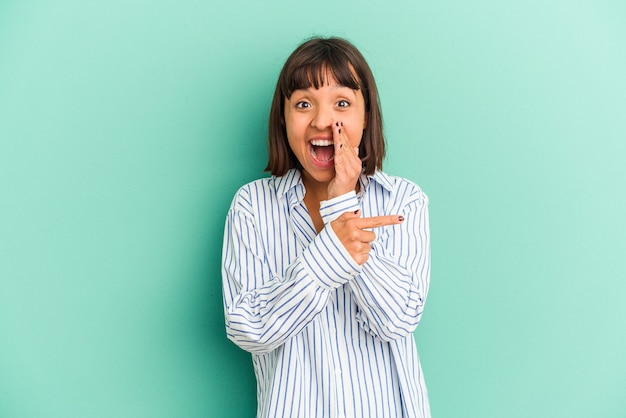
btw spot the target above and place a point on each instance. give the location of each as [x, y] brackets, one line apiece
[318, 72]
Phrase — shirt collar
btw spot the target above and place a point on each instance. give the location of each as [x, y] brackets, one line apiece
[385, 180]
[287, 182]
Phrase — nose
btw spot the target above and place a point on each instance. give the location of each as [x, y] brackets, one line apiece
[322, 118]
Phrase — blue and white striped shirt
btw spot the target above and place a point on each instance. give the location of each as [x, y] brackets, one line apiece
[328, 337]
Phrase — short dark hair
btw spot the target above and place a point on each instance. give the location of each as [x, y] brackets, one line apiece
[311, 64]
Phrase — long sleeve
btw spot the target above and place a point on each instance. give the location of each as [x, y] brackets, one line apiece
[264, 308]
[392, 287]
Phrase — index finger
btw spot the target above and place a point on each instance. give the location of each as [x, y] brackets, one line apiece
[378, 221]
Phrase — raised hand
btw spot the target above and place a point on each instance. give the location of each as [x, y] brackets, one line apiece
[352, 231]
[347, 163]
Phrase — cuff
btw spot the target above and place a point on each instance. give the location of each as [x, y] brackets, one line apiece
[333, 208]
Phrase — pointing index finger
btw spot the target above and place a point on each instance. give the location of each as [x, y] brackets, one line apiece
[378, 221]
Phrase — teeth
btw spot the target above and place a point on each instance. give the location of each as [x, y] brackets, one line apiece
[321, 142]
[314, 154]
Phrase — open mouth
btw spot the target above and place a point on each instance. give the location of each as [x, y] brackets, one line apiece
[323, 150]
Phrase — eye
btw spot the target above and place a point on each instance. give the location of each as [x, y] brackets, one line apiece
[303, 105]
[343, 103]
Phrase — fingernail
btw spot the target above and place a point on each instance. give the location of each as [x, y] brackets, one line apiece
[401, 218]
[356, 211]
[336, 123]
[339, 130]
[340, 145]
[341, 123]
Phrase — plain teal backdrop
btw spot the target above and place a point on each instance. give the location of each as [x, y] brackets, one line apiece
[127, 126]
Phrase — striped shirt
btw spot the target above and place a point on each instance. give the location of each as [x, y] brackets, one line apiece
[328, 337]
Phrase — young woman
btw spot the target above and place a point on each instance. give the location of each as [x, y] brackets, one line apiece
[326, 264]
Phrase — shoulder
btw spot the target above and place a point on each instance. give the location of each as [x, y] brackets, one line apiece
[249, 195]
[400, 188]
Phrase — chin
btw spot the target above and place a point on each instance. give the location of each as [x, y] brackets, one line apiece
[321, 176]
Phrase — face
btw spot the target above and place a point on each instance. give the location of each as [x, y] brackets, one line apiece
[309, 117]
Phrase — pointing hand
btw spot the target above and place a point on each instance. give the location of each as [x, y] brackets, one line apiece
[352, 231]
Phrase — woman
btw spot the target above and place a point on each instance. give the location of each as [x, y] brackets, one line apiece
[325, 304]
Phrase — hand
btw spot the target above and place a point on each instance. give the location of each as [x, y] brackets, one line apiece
[348, 165]
[350, 228]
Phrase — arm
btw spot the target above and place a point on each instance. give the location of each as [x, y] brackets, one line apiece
[394, 260]
[263, 309]
[392, 287]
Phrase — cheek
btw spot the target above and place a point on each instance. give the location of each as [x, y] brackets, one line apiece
[355, 137]
[356, 131]
[294, 139]
[293, 127]
[292, 136]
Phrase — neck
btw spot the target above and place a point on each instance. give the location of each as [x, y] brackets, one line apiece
[314, 190]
